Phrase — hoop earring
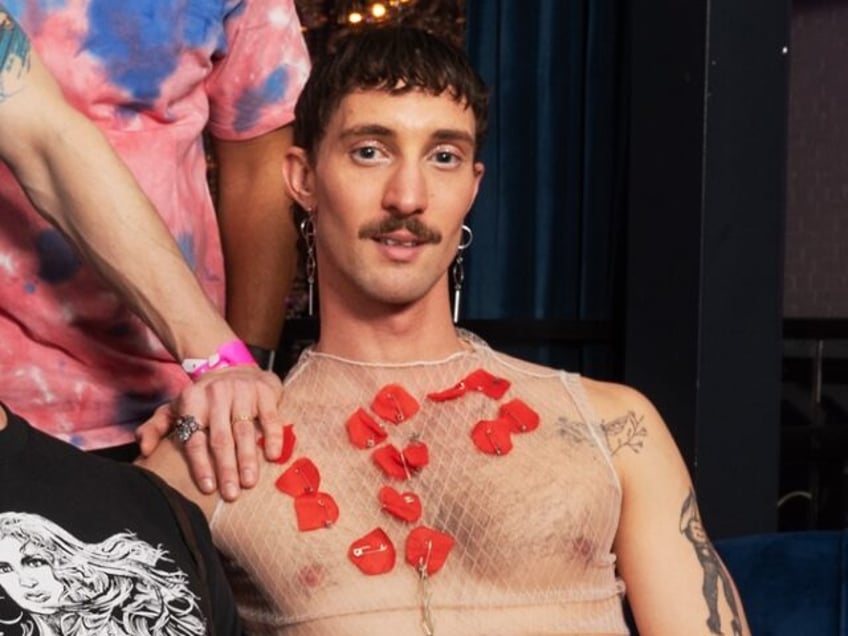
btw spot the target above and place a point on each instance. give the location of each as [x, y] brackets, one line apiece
[458, 271]
[307, 231]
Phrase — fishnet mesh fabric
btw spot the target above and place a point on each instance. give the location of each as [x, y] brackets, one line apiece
[533, 528]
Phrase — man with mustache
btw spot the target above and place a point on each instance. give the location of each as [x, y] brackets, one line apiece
[429, 484]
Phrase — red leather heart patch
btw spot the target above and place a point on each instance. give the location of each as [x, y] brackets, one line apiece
[315, 510]
[301, 478]
[374, 553]
[405, 506]
[289, 439]
[363, 430]
[394, 404]
[428, 549]
[492, 436]
[521, 417]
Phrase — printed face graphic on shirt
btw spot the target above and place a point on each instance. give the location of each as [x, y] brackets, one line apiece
[28, 578]
[63, 585]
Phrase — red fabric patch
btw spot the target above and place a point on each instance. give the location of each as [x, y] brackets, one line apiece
[363, 430]
[483, 381]
[428, 549]
[492, 436]
[522, 418]
[373, 554]
[405, 506]
[456, 391]
[288, 444]
[394, 404]
[479, 380]
[389, 460]
[315, 510]
[416, 455]
[301, 478]
[401, 465]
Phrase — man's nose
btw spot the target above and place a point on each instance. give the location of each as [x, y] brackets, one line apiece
[406, 190]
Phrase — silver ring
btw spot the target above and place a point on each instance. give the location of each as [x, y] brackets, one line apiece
[185, 427]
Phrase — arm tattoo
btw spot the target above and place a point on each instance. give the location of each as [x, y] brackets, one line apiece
[14, 55]
[626, 430]
[714, 572]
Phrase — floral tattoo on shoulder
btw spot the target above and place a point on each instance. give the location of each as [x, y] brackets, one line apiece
[626, 431]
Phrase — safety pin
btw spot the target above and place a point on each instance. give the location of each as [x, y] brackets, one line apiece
[367, 549]
[399, 414]
[492, 441]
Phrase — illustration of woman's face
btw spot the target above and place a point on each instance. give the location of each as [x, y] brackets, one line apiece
[28, 579]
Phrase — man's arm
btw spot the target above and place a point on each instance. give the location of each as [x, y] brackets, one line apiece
[676, 583]
[258, 234]
[75, 180]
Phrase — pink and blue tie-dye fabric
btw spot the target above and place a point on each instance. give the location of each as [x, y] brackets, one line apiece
[152, 74]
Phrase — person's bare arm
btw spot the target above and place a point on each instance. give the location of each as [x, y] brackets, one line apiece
[258, 234]
[676, 582]
[75, 180]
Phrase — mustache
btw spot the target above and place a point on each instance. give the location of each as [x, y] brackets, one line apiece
[412, 225]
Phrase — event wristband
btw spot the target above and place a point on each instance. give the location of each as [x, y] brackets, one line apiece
[230, 354]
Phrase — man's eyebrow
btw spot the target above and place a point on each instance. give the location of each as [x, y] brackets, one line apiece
[366, 130]
[377, 130]
[453, 134]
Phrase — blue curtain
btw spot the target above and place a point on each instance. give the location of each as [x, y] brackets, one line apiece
[547, 224]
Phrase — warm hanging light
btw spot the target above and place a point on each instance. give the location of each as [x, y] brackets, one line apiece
[355, 17]
[378, 10]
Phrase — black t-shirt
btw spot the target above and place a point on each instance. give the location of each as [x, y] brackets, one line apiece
[92, 546]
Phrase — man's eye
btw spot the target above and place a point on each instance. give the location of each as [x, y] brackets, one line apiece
[366, 152]
[443, 156]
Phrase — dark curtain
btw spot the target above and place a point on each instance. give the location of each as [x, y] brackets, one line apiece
[547, 224]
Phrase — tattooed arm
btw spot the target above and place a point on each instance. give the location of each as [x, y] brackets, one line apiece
[676, 583]
[75, 180]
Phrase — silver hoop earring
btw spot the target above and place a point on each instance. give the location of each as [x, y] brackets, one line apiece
[458, 271]
[307, 231]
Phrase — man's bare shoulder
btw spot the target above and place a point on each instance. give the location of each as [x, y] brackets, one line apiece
[168, 462]
[610, 398]
[628, 419]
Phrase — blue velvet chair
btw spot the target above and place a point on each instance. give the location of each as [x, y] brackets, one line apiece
[792, 583]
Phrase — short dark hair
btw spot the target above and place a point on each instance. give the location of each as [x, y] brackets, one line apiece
[396, 59]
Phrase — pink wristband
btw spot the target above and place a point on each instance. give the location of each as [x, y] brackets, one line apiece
[229, 354]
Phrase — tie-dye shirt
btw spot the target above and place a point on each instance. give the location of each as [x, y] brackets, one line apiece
[152, 74]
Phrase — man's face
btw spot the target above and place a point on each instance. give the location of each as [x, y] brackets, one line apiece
[393, 179]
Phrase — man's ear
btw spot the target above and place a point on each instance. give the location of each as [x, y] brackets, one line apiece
[479, 169]
[299, 177]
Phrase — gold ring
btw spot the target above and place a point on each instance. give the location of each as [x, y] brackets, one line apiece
[243, 418]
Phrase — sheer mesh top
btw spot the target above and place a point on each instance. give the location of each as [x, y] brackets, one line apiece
[531, 528]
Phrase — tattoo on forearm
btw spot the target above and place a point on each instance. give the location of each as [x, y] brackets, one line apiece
[714, 572]
[14, 55]
[626, 431]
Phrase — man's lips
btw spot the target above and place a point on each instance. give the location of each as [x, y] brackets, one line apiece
[399, 241]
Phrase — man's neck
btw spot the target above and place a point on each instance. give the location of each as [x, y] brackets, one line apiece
[2, 419]
[392, 337]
